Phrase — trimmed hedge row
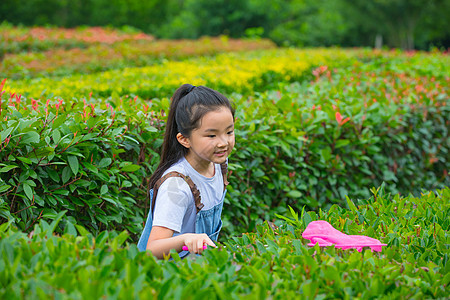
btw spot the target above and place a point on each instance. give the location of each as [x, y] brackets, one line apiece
[88, 159]
[307, 143]
[273, 262]
[101, 57]
[242, 72]
[17, 39]
[315, 143]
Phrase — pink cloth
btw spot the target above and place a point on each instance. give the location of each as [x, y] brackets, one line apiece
[326, 235]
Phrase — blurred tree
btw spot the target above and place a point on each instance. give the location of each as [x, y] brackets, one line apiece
[396, 20]
[309, 23]
[396, 23]
[210, 18]
[145, 15]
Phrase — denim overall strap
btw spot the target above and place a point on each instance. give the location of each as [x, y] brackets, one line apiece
[209, 221]
[195, 192]
[142, 243]
[224, 169]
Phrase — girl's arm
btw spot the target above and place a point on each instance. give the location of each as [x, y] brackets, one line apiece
[161, 241]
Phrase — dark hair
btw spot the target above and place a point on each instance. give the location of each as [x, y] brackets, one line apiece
[189, 104]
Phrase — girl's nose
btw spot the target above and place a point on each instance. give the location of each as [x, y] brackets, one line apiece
[223, 141]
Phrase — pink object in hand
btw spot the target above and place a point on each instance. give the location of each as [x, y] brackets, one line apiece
[324, 234]
[185, 248]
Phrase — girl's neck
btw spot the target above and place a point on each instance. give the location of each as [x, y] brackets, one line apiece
[205, 168]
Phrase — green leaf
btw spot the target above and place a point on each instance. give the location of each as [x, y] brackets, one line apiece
[4, 134]
[25, 160]
[104, 162]
[73, 163]
[6, 225]
[90, 167]
[61, 192]
[306, 220]
[59, 121]
[294, 194]
[130, 168]
[7, 168]
[81, 230]
[104, 189]
[4, 188]
[56, 135]
[52, 200]
[350, 204]
[92, 121]
[28, 191]
[55, 222]
[31, 137]
[70, 229]
[341, 143]
[66, 173]
[53, 174]
[119, 240]
[43, 152]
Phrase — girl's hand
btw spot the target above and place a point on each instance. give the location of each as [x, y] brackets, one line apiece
[196, 241]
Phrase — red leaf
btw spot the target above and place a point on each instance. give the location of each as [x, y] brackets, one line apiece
[338, 117]
[2, 84]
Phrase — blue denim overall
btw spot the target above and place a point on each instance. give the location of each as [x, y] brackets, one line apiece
[207, 221]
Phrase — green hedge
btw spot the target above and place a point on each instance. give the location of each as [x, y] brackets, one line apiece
[273, 262]
[84, 158]
[293, 148]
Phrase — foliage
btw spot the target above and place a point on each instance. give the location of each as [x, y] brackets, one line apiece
[368, 118]
[412, 24]
[399, 21]
[310, 23]
[210, 18]
[354, 127]
[227, 72]
[273, 262]
[111, 52]
[84, 158]
[315, 128]
[16, 39]
[145, 15]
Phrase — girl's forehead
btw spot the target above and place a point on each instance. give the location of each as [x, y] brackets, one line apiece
[217, 118]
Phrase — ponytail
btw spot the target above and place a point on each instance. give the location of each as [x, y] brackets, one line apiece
[189, 104]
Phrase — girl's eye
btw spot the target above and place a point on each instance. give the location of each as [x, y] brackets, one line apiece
[230, 132]
[211, 136]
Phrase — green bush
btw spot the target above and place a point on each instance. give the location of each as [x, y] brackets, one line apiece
[308, 143]
[272, 262]
[315, 143]
[75, 156]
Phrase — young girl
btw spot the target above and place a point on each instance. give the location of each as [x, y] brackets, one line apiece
[188, 187]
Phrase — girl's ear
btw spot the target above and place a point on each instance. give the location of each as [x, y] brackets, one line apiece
[184, 141]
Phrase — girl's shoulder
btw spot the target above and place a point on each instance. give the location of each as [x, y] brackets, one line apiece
[183, 167]
[179, 167]
[176, 185]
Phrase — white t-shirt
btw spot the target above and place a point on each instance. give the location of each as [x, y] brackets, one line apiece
[175, 207]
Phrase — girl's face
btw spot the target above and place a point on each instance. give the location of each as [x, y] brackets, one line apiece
[213, 141]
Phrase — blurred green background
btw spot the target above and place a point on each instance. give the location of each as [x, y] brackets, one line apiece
[406, 24]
